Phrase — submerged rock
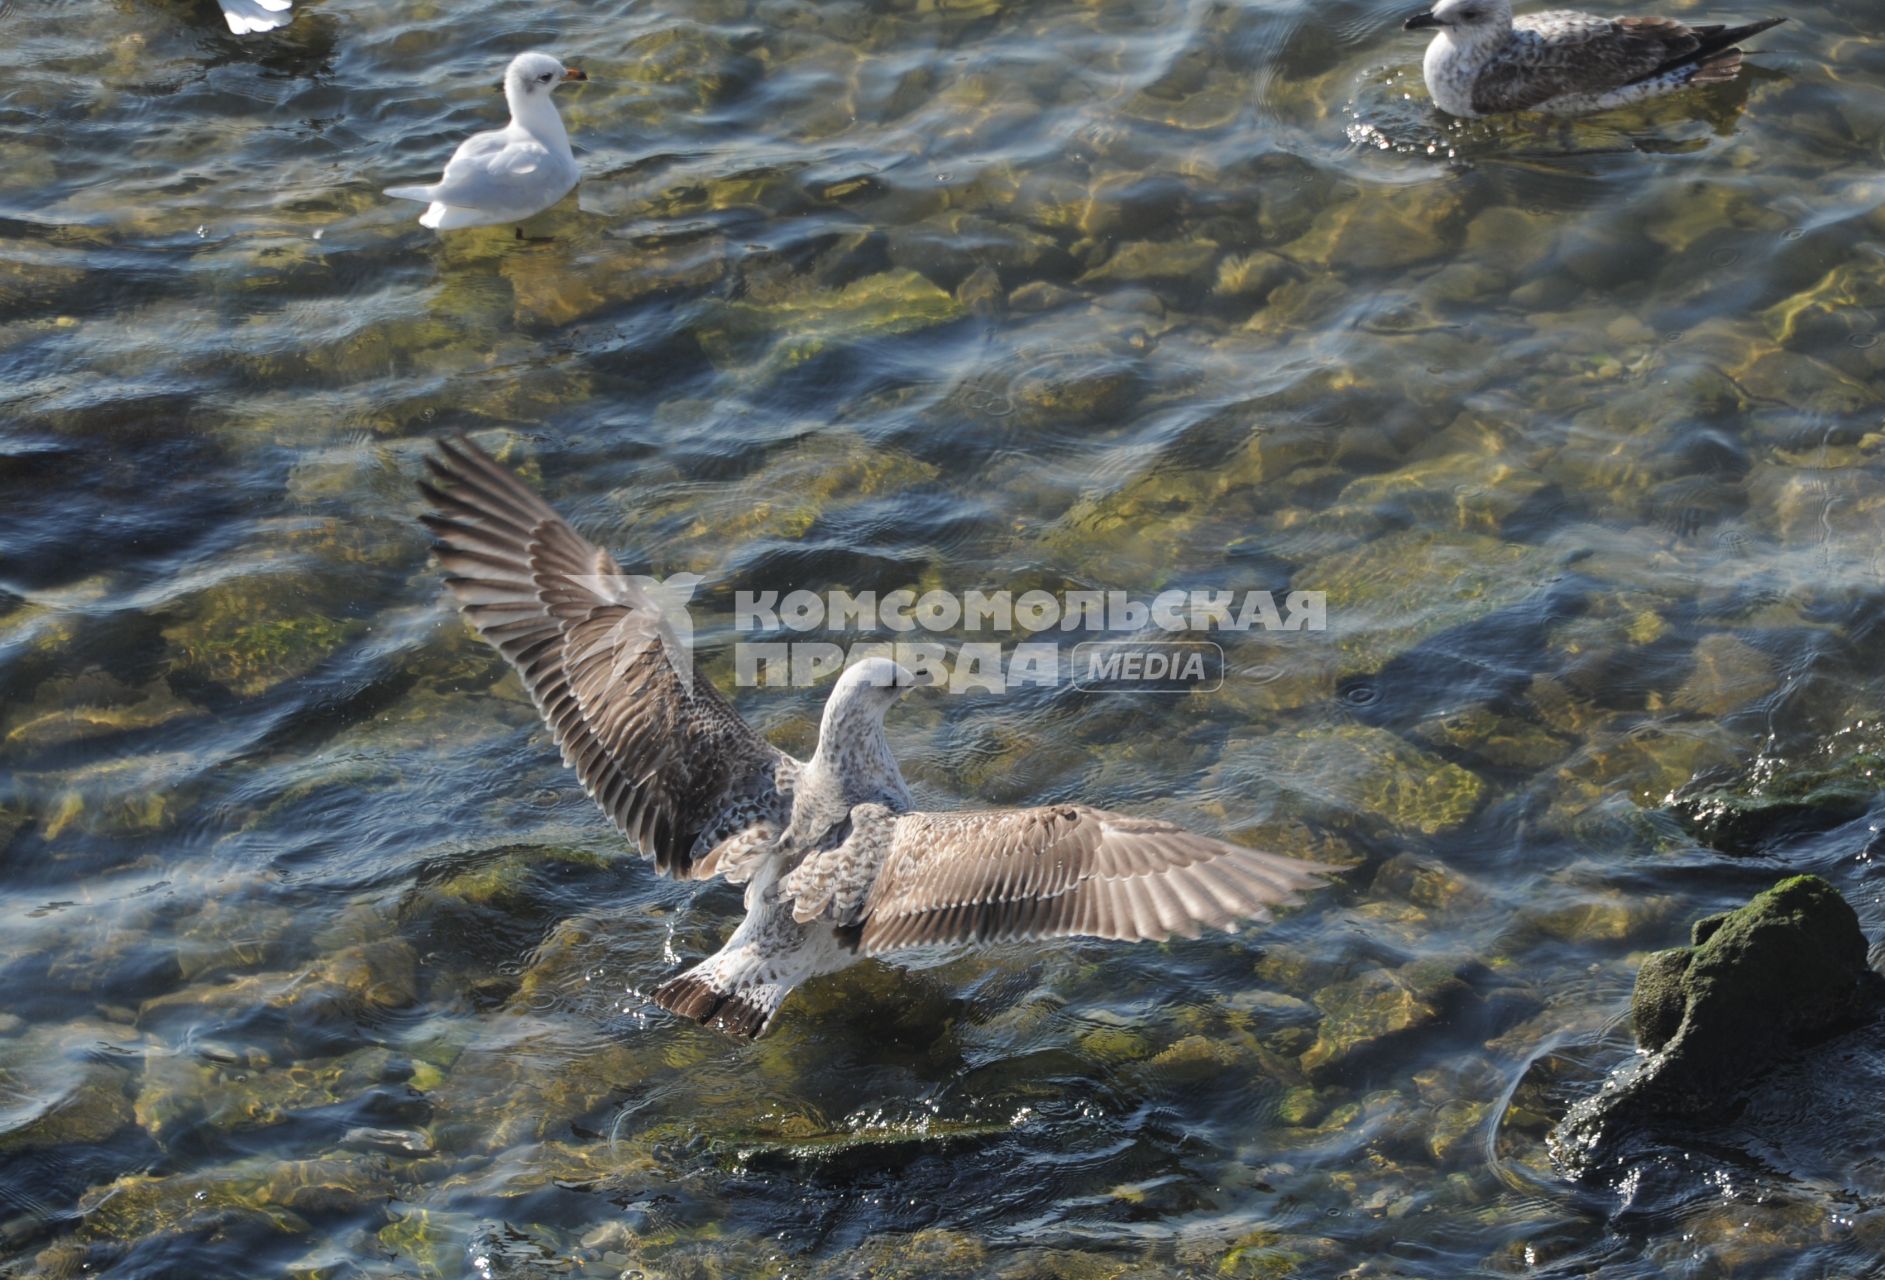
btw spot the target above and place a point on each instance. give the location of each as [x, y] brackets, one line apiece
[791, 330]
[1755, 983]
[1744, 818]
[1363, 1014]
[1348, 775]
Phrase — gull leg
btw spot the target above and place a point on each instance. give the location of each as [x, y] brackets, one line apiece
[741, 986]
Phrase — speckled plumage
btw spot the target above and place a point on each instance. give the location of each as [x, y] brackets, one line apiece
[1483, 61]
[836, 862]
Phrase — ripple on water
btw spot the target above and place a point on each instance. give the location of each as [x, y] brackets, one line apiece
[317, 954]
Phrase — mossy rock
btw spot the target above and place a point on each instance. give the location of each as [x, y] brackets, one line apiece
[1172, 264]
[1788, 966]
[796, 1145]
[1093, 388]
[1260, 1255]
[1728, 674]
[1453, 1127]
[1755, 985]
[251, 633]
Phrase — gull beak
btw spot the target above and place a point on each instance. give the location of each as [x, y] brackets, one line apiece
[907, 679]
[1420, 20]
[574, 73]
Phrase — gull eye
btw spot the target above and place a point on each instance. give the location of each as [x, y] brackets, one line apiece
[1471, 15]
[546, 77]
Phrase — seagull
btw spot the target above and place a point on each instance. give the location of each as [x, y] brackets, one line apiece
[1482, 61]
[245, 16]
[837, 861]
[507, 174]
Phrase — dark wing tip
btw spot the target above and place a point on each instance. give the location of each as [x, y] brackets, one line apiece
[692, 997]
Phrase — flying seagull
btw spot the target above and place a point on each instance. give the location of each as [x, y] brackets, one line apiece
[245, 16]
[837, 862]
[507, 174]
[1482, 61]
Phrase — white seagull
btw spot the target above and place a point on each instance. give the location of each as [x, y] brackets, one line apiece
[508, 174]
[245, 16]
[836, 861]
[1482, 61]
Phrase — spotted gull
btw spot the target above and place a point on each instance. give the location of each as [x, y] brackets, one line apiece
[837, 861]
[1482, 61]
[507, 174]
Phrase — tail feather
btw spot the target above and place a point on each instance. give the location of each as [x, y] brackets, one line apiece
[408, 193]
[1722, 37]
[742, 1013]
[1714, 58]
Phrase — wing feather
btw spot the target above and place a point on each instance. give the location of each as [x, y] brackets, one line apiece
[1559, 53]
[664, 756]
[939, 878]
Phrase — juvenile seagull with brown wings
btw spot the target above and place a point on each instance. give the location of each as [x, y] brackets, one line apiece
[1482, 61]
[836, 861]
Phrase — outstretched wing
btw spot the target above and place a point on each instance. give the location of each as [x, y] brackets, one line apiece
[917, 879]
[1559, 53]
[654, 744]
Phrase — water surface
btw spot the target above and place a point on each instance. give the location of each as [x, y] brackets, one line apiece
[317, 962]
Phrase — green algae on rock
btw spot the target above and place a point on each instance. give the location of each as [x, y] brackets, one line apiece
[1789, 965]
[1348, 775]
[1362, 1014]
[250, 634]
[800, 326]
[1754, 984]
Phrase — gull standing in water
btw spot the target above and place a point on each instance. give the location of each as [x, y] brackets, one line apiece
[245, 16]
[837, 862]
[1482, 61]
[508, 174]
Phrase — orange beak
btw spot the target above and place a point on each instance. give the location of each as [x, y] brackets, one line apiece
[574, 73]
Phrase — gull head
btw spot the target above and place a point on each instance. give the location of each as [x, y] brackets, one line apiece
[851, 745]
[862, 697]
[869, 688]
[1465, 19]
[536, 75]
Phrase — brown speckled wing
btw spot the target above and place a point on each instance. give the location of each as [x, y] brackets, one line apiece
[1577, 53]
[665, 757]
[1013, 874]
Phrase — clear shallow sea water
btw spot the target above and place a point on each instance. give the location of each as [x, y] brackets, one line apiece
[315, 960]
